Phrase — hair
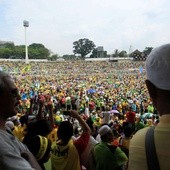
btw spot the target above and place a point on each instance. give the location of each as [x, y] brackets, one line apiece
[24, 120]
[107, 137]
[65, 131]
[39, 127]
[128, 131]
[3, 76]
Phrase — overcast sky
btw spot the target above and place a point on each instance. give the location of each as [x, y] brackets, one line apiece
[113, 24]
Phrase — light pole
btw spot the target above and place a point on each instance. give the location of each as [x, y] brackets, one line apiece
[26, 24]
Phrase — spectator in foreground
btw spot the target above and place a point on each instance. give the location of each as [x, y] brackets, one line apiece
[66, 152]
[158, 84]
[40, 147]
[106, 155]
[13, 154]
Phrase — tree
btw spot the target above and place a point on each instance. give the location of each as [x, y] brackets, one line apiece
[20, 52]
[7, 45]
[105, 54]
[38, 51]
[147, 50]
[83, 47]
[7, 50]
[5, 53]
[123, 54]
[116, 53]
[94, 53]
[69, 57]
[54, 57]
[35, 51]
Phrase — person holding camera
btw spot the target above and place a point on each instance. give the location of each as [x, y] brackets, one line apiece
[66, 152]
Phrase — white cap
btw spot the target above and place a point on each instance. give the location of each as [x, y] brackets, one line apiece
[9, 124]
[104, 129]
[158, 67]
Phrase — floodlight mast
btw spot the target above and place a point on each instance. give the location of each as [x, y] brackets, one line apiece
[26, 24]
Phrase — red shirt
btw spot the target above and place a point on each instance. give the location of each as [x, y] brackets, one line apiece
[82, 142]
[130, 117]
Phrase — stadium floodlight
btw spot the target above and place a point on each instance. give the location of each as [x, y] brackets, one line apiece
[26, 24]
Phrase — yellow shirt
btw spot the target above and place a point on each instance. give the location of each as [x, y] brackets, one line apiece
[20, 132]
[65, 157]
[137, 155]
[53, 135]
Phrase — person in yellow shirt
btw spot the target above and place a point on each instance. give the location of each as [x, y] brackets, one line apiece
[65, 152]
[158, 85]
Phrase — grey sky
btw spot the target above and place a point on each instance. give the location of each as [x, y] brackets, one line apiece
[109, 23]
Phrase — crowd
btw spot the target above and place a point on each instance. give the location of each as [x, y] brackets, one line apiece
[80, 115]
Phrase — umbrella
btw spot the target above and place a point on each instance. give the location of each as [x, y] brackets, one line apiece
[147, 115]
[91, 91]
[114, 111]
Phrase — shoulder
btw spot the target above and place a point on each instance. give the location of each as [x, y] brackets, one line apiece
[100, 147]
[137, 155]
[139, 138]
[92, 141]
[82, 142]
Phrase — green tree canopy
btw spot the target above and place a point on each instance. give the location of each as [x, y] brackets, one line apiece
[94, 53]
[69, 57]
[6, 53]
[38, 51]
[19, 52]
[83, 47]
[54, 57]
[147, 50]
[123, 54]
[116, 53]
[35, 51]
[7, 50]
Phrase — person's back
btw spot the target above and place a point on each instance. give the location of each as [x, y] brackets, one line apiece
[158, 84]
[107, 156]
[107, 159]
[66, 152]
[65, 157]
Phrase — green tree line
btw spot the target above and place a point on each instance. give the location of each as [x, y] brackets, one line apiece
[36, 51]
[81, 48]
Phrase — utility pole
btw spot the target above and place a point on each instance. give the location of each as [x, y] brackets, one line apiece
[26, 24]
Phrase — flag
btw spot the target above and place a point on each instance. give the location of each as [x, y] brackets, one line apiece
[26, 68]
[140, 69]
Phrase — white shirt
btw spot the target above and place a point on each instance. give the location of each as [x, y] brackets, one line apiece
[10, 153]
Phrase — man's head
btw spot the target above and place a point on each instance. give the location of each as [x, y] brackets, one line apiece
[158, 67]
[9, 96]
[65, 131]
[158, 76]
[106, 134]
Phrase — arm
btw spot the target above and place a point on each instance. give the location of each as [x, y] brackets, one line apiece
[31, 159]
[50, 111]
[12, 160]
[121, 157]
[83, 124]
[83, 140]
[39, 115]
[30, 108]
